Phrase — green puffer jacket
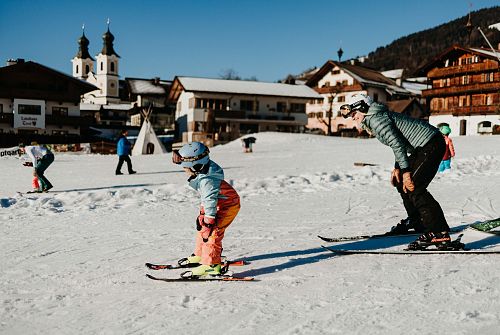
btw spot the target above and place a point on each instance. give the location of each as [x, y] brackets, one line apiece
[400, 132]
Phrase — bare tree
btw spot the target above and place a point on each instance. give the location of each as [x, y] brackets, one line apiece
[229, 74]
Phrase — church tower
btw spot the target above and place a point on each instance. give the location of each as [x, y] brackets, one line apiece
[83, 63]
[107, 71]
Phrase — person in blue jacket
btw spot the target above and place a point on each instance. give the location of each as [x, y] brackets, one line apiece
[418, 149]
[123, 148]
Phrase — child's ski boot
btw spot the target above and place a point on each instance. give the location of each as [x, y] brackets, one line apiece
[204, 271]
[441, 240]
[190, 262]
[406, 226]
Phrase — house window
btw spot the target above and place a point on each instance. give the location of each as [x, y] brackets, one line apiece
[375, 97]
[281, 106]
[488, 77]
[311, 115]
[319, 115]
[77, 69]
[87, 69]
[298, 108]
[465, 80]
[249, 105]
[29, 109]
[341, 98]
[60, 111]
[335, 71]
[344, 82]
[102, 66]
[112, 66]
[326, 84]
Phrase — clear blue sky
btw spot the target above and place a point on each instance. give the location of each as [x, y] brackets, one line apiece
[268, 39]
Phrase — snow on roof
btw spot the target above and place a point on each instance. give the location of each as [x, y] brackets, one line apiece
[487, 52]
[247, 87]
[393, 74]
[148, 86]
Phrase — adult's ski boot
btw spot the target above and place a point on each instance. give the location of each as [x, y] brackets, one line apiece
[406, 226]
[441, 240]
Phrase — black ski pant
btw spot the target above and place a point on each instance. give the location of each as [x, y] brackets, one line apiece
[40, 168]
[124, 158]
[420, 205]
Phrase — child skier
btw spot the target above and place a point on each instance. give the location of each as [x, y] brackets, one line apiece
[450, 150]
[219, 206]
[41, 157]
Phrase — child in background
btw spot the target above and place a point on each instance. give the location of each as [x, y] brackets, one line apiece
[220, 204]
[450, 150]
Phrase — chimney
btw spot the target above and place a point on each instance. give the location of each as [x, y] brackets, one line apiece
[156, 80]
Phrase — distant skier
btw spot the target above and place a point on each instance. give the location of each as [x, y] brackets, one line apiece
[412, 173]
[41, 158]
[247, 144]
[450, 150]
[123, 151]
[220, 204]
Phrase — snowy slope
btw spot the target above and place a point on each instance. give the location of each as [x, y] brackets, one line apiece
[72, 260]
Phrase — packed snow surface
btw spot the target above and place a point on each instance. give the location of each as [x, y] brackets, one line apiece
[72, 260]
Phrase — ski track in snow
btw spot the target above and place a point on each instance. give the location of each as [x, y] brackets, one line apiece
[73, 259]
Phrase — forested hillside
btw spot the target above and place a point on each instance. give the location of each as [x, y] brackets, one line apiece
[412, 51]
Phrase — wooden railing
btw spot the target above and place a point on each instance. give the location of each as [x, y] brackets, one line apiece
[455, 90]
[467, 110]
[462, 69]
[337, 89]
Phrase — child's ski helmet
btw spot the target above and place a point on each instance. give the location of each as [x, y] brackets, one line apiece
[194, 153]
[445, 130]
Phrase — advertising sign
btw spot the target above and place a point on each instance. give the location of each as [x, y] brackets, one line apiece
[29, 114]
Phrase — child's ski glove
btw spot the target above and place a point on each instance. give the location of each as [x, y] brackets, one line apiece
[207, 227]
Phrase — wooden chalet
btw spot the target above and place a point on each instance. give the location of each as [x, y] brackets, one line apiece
[465, 91]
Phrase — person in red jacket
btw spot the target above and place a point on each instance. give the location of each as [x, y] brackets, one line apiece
[450, 150]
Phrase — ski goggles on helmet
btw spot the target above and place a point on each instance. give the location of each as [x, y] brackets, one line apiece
[346, 111]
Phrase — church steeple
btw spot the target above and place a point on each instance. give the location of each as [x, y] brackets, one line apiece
[83, 63]
[83, 49]
[107, 47]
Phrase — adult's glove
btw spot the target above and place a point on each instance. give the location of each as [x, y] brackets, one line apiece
[408, 185]
[395, 177]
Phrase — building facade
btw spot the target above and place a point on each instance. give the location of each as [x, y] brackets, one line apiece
[37, 100]
[218, 110]
[336, 82]
[465, 91]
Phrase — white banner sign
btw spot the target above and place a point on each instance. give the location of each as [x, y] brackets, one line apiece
[29, 114]
[9, 152]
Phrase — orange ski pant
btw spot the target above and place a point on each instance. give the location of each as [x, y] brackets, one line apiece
[211, 250]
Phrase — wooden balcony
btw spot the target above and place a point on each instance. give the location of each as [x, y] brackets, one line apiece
[462, 89]
[68, 120]
[7, 118]
[461, 69]
[468, 110]
[338, 88]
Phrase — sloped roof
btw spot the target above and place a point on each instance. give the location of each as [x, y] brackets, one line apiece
[399, 106]
[193, 84]
[148, 86]
[32, 80]
[456, 49]
[363, 75]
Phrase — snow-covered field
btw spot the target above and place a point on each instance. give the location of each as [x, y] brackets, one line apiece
[72, 261]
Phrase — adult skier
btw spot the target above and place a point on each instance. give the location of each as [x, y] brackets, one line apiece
[123, 151]
[418, 149]
[220, 204]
